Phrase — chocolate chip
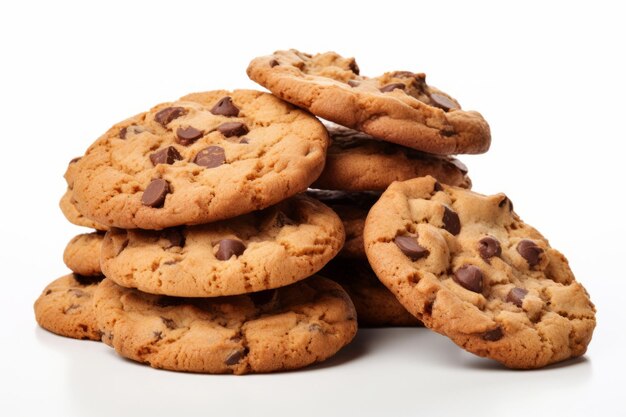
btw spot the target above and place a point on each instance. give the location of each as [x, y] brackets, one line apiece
[273, 63]
[488, 247]
[506, 200]
[122, 134]
[188, 135]
[228, 248]
[459, 165]
[443, 102]
[529, 251]
[232, 129]
[130, 129]
[391, 87]
[167, 155]
[470, 278]
[236, 356]
[354, 67]
[225, 107]
[165, 116]
[516, 296]
[157, 335]
[451, 221]
[86, 281]
[48, 292]
[74, 160]
[154, 195]
[175, 237]
[437, 186]
[210, 157]
[169, 323]
[244, 141]
[409, 246]
[493, 335]
[354, 83]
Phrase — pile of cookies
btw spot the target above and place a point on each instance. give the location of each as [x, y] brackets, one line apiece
[235, 232]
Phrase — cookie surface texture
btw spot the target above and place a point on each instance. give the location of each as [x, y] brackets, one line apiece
[398, 106]
[278, 330]
[359, 162]
[206, 157]
[82, 254]
[469, 268]
[65, 307]
[257, 251]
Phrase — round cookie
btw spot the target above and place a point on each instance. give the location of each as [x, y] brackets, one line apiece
[469, 268]
[65, 307]
[375, 305]
[253, 252]
[82, 254]
[206, 157]
[398, 106]
[352, 208]
[277, 330]
[358, 162]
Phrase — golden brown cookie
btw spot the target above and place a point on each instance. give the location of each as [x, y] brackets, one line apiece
[358, 162]
[82, 254]
[469, 268]
[206, 157]
[398, 106]
[65, 307]
[375, 305]
[253, 252]
[275, 330]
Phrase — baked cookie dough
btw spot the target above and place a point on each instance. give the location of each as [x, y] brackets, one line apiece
[398, 106]
[82, 254]
[276, 330]
[469, 268]
[206, 157]
[266, 249]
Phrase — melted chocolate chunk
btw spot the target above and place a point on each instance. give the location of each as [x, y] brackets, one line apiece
[493, 335]
[225, 107]
[228, 248]
[391, 87]
[230, 129]
[154, 195]
[516, 296]
[236, 356]
[354, 67]
[165, 116]
[167, 155]
[488, 247]
[451, 221]
[443, 102]
[175, 237]
[529, 251]
[210, 157]
[469, 277]
[409, 246]
[188, 135]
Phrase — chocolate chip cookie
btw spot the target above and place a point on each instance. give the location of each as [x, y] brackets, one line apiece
[358, 162]
[398, 106]
[65, 307]
[375, 305]
[274, 330]
[469, 268]
[253, 252]
[206, 157]
[82, 254]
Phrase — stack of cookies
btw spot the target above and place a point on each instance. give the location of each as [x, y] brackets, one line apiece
[235, 232]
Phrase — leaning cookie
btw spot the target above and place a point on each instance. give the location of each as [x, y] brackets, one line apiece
[253, 252]
[206, 157]
[375, 305]
[82, 254]
[359, 162]
[398, 106]
[277, 330]
[65, 307]
[469, 268]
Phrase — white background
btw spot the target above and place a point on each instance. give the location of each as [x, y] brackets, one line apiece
[548, 77]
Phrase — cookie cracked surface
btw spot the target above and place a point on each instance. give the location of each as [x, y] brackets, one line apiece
[206, 157]
[65, 307]
[398, 106]
[469, 268]
[277, 330]
[258, 251]
[358, 162]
